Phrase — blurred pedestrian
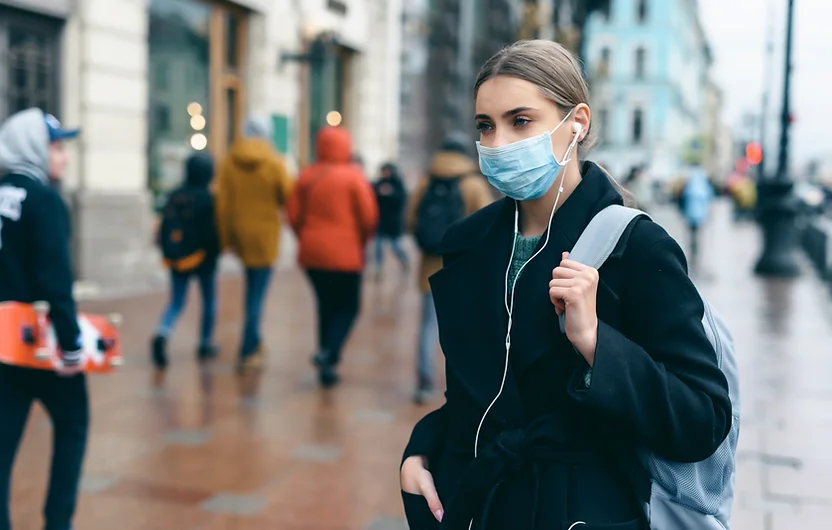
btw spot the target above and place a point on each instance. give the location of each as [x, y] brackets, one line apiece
[190, 247]
[35, 266]
[253, 189]
[639, 185]
[452, 189]
[697, 195]
[334, 214]
[391, 196]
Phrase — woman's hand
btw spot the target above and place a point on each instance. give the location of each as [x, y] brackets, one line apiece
[572, 290]
[417, 480]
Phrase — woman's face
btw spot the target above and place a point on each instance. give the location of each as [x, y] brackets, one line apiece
[510, 109]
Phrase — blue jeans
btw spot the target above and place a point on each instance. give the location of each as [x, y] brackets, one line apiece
[178, 297]
[395, 244]
[65, 400]
[428, 341]
[257, 285]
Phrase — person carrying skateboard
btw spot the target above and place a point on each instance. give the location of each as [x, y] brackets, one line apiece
[35, 266]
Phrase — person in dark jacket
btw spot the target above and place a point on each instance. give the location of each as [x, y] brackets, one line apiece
[542, 429]
[194, 199]
[35, 266]
[392, 198]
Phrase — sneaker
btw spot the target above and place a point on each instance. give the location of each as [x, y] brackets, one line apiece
[327, 375]
[205, 353]
[159, 352]
[251, 363]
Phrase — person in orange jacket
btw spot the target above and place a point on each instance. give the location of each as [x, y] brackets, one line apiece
[253, 188]
[334, 213]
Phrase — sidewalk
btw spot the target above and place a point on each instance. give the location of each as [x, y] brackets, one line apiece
[203, 450]
[783, 336]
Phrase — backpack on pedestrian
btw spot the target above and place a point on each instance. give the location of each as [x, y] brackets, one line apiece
[684, 496]
[442, 205]
[180, 234]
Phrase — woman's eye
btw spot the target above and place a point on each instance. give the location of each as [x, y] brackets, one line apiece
[483, 126]
[520, 122]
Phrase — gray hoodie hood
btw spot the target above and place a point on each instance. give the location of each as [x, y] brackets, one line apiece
[24, 145]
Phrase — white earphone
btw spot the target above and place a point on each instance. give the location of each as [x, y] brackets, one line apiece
[577, 128]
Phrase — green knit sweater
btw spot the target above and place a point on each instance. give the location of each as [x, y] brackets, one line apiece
[523, 250]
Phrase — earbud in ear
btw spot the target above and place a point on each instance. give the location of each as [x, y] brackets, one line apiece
[577, 128]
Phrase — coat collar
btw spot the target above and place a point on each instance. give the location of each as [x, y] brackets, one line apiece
[470, 294]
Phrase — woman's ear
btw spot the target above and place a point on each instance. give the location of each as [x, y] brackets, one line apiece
[583, 117]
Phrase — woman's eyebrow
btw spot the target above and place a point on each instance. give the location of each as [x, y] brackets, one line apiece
[508, 113]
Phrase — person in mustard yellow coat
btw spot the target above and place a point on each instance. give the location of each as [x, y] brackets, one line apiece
[252, 191]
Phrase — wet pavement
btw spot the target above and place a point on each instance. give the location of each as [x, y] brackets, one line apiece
[203, 449]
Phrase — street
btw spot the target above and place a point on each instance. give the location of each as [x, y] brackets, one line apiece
[203, 449]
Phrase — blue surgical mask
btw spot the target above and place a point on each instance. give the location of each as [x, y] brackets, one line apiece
[524, 170]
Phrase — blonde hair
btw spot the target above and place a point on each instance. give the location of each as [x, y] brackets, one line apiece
[556, 72]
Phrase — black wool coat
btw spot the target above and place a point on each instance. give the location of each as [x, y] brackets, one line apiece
[553, 452]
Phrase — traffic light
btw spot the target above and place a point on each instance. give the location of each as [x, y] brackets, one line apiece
[754, 153]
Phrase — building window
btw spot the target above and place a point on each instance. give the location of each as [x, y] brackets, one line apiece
[328, 100]
[161, 118]
[603, 69]
[195, 60]
[604, 125]
[641, 55]
[638, 126]
[641, 12]
[28, 62]
[161, 76]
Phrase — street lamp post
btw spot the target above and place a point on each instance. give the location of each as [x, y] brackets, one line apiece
[777, 205]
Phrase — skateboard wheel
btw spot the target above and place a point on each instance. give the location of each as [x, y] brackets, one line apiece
[115, 362]
[41, 307]
[43, 354]
[115, 319]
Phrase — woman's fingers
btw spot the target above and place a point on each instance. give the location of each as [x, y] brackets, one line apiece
[564, 273]
[431, 496]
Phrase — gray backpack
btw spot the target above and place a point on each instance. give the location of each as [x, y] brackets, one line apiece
[684, 496]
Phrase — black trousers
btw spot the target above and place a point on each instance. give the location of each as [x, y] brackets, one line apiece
[338, 296]
[66, 401]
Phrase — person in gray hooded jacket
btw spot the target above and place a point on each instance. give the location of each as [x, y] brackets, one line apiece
[35, 265]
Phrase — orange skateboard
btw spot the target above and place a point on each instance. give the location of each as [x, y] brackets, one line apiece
[27, 338]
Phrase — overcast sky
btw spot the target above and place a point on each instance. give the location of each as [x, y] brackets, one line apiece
[737, 30]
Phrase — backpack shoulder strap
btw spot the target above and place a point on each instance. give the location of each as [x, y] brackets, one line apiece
[600, 238]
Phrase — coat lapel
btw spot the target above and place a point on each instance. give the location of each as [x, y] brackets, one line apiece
[469, 298]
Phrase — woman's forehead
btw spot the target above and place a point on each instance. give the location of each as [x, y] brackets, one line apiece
[503, 93]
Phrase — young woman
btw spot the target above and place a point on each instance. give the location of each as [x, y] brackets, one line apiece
[542, 429]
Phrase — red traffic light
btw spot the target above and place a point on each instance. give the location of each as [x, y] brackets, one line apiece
[754, 153]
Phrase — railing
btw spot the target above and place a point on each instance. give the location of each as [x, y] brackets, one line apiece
[816, 239]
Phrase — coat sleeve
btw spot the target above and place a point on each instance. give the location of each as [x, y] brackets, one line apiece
[293, 205]
[284, 183]
[52, 272]
[427, 436]
[222, 205]
[367, 207]
[661, 383]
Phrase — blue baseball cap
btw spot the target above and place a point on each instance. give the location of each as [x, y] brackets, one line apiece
[56, 132]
